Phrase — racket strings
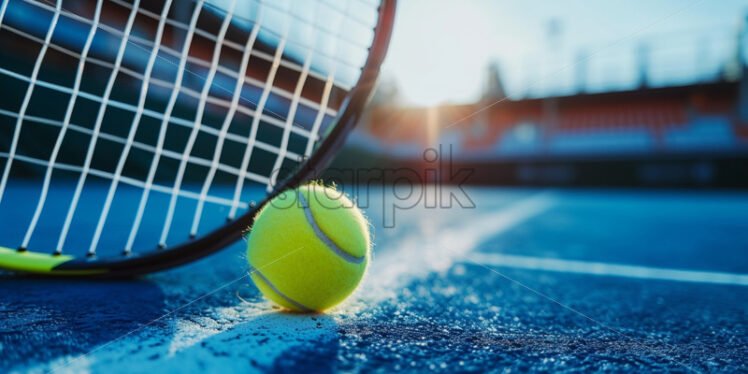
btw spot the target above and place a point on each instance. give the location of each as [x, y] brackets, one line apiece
[225, 127]
[199, 118]
[294, 105]
[19, 121]
[302, 113]
[192, 60]
[229, 169]
[31, 229]
[63, 130]
[320, 27]
[352, 64]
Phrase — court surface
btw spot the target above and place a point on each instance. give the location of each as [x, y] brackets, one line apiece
[528, 279]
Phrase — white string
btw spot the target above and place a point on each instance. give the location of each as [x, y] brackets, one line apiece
[198, 122]
[314, 132]
[134, 125]
[247, 111]
[63, 131]
[165, 152]
[256, 122]
[236, 46]
[2, 11]
[133, 181]
[185, 27]
[226, 124]
[160, 116]
[271, 119]
[100, 116]
[162, 131]
[320, 113]
[27, 99]
[157, 115]
[297, 17]
[313, 24]
[192, 60]
[275, 171]
[347, 15]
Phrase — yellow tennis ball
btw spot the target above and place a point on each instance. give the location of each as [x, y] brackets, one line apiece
[308, 248]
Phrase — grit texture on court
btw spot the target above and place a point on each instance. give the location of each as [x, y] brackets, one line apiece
[527, 280]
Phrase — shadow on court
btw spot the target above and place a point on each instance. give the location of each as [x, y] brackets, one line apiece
[42, 319]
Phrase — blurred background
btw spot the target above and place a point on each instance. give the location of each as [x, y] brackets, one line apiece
[575, 92]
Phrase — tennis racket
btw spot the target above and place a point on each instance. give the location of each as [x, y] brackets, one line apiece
[138, 135]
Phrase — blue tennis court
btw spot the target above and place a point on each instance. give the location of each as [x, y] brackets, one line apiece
[528, 279]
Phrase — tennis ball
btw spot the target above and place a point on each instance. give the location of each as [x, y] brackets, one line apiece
[308, 248]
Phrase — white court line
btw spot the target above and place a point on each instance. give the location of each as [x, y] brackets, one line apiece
[437, 246]
[606, 269]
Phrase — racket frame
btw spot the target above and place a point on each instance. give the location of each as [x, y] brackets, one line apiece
[140, 263]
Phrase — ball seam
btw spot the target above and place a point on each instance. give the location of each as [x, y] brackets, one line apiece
[254, 271]
[323, 237]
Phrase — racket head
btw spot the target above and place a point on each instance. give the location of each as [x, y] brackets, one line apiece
[347, 103]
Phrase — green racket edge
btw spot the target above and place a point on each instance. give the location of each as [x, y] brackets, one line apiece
[39, 263]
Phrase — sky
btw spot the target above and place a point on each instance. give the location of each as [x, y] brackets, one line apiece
[440, 49]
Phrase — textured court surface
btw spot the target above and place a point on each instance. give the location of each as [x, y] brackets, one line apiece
[527, 280]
